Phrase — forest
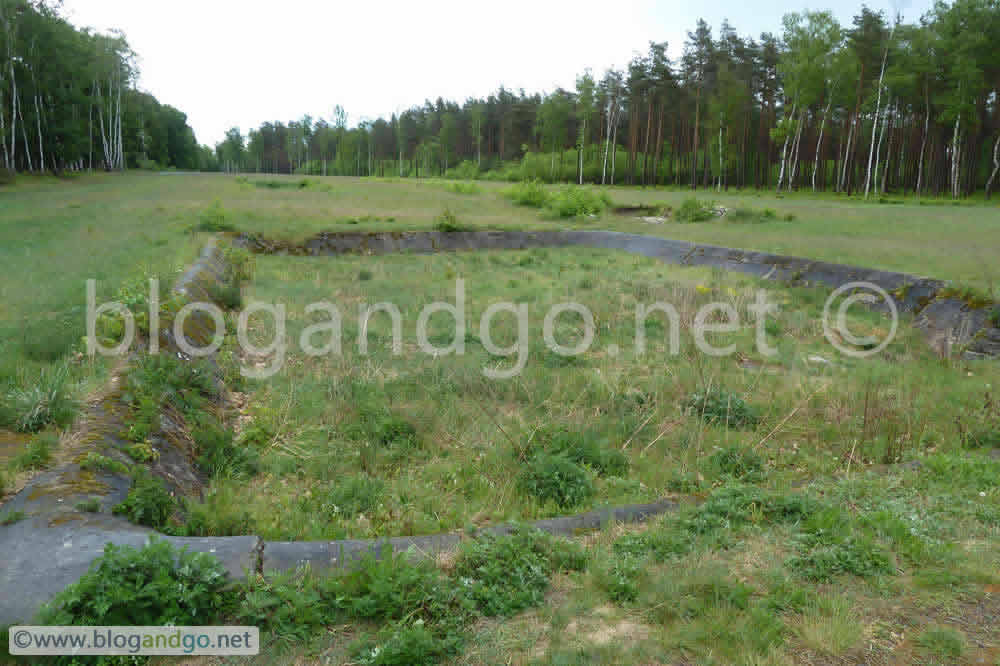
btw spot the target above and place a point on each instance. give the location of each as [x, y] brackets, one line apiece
[69, 101]
[879, 105]
[875, 106]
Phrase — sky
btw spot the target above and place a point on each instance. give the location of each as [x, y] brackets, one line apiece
[232, 63]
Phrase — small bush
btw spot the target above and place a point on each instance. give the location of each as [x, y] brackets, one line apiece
[48, 340]
[463, 188]
[575, 201]
[214, 218]
[353, 496]
[830, 545]
[695, 210]
[91, 505]
[719, 406]
[446, 222]
[11, 517]
[740, 463]
[95, 462]
[219, 455]
[228, 296]
[48, 401]
[528, 193]
[364, 275]
[555, 478]
[620, 578]
[506, 574]
[148, 502]
[732, 507]
[943, 642]
[746, 215]
[38, 452]
[154, 585]
[659, 544]
[585, 448]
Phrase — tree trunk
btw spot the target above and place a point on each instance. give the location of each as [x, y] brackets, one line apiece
[819, 142]
[996, 166]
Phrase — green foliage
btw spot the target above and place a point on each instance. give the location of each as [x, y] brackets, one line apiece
[739, 463]
[658, 543]
[555, 478]
[694, 210]
[228, 296]
[154, 585]
[584, 448]
[943, 642]
[48, 401]
[241, 264]
[463, 188]
[575, 201]
[92, 505]
[747, 215]
[695, 594]
[37, 454]
[447, 222]
[620, 578]
[830, 545]
[382, 427]
[164, 379]
[214, 218]
[142, 452]
[364, 275]
[11, 517]
[506, 574]
[95, 462]
[148, 502]
[528, 193]
[50, 339]
[354, 495]
[735, 506]
[718, 406]
[219, 455]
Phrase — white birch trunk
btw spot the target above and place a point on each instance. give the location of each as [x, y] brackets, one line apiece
[819, 142]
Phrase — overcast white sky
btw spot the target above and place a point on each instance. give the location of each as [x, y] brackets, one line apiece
[239, 63]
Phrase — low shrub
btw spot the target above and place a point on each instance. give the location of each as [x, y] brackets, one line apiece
[354, 495]
[95, 462]
[942, 642]
[48, 401]
[228, 296]
[92, 505]
[219, 455]
[831, 545]
[12, 517]
[584, 448]
[447, 222]
[528, 193]
[719, 406]
[748, 215]
[575, 201]
[37, 454]
[555, 478]
[364, 275]
[506, 574]
[741, 463]
[148, 502]
[153, 585]
[694, 210]
[463, 188]
[215, 218]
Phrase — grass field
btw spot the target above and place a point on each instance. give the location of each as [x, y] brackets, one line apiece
[831, 509]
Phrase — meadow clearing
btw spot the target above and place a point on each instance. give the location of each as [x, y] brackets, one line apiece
[830, 509]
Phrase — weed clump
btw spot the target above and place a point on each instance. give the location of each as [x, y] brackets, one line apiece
[694, 210]
[447, 222]
[743, 464]
[719, 406]
[37, 454]
[747, 215]
[354, 496]
[48, 401]
[829, 546]
[219, 455]
[148, 502]
[507, 574]
[584, 448]
[555, 478]
[154, 585]
[576, 201]
[215, 218]
[528, 193]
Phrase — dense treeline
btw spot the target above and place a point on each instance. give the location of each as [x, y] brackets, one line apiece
[874, 106]
[68, 100]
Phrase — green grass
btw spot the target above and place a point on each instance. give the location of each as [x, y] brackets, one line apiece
[796, 539]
